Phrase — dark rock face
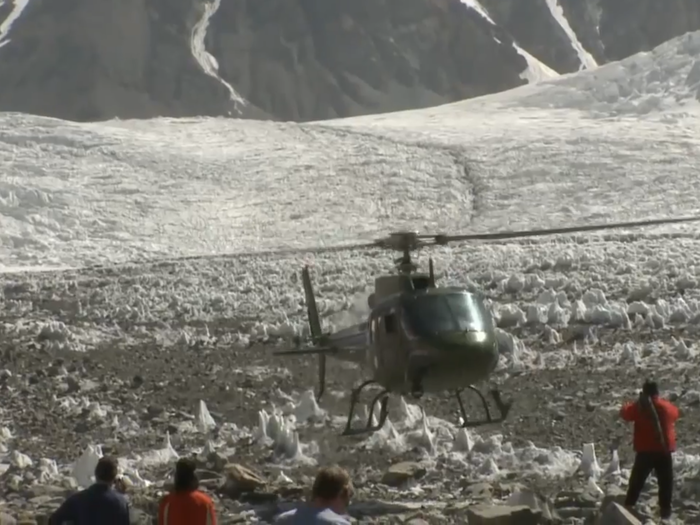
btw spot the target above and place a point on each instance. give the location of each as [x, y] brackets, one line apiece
[631, 26]
[96, 59]
[303, 59]
[584, 18]
[315, 59]
[532, 25]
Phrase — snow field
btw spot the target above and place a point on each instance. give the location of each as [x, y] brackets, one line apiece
[81, 194]
[73, 194]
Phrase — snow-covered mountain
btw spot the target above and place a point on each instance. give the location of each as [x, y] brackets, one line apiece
[305, 59]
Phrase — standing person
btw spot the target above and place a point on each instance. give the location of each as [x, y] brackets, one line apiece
[654, 443]
[330, 497]
[99, 504]
[186, 504]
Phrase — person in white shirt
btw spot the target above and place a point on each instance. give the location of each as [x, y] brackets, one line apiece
[330, 498]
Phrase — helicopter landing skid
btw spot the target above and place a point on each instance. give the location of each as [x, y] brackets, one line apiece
[382, 398]
[503, 408]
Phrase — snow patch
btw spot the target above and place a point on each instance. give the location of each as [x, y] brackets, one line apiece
[536, 70]
[204, 58]
[6, 25]
[476, 6]
[587, 60]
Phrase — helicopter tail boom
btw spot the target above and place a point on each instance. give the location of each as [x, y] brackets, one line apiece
[315, 327]
[308, 351]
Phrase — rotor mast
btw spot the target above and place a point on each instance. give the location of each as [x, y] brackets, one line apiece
[404, 242]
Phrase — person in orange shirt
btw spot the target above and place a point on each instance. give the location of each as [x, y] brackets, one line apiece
[186, 504]
[654, 443]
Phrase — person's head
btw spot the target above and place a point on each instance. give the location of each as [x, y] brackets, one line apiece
[106, 470]
[650, 388]
[332, 488]
[185, 475]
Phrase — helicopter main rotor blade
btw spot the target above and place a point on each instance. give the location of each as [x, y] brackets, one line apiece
[444, 239]
[312, 249]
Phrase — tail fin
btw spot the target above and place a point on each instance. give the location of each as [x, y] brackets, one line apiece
[315, 327]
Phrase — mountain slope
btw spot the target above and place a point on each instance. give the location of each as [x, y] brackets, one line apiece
[96, 59]
[314, 59]
[305, 59]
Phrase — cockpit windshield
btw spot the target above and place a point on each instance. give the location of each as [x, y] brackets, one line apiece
[430, 314]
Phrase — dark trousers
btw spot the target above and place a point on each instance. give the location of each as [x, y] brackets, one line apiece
[662, 465]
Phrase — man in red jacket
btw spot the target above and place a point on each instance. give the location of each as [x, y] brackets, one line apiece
[654, 443]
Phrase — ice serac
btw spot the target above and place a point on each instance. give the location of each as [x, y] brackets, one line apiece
[100, 60]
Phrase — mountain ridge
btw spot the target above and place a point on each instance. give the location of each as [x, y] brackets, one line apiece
[304, 60]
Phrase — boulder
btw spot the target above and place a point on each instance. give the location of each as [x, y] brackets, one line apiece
[239, 479]
[6, 519]
[503, 515]
[616, 514]
[400, 473]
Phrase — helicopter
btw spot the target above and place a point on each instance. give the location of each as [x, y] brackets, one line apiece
[419, 337]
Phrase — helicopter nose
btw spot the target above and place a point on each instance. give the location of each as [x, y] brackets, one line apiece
[473, 344]
[466, 338]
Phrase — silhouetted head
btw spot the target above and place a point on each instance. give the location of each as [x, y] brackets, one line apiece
[106, 470]
[332, 489]
[650, 388]
[185, 475]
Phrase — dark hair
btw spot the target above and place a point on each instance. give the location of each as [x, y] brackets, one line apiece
[330, 483]
[185, 475]
[106, 469]
[650, 388]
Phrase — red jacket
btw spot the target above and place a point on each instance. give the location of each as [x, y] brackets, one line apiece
[645, 438]
[191, 507]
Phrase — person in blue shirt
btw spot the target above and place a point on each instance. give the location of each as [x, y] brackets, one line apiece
[330, 497]
[99, 504]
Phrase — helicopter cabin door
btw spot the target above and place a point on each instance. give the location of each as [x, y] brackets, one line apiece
[388, 344]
